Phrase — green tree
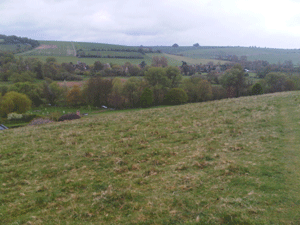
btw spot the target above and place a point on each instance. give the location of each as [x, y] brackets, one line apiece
[74, 96]
[174, 75]
[146, 98]
[157, 76]
[52, 92]
[235, 79]
[257, 89]
[176, 96]
[33, 91]
[132, 90]
[277, 82]
[14, 102]
[25, 76]
[97, 91]
[197, 89]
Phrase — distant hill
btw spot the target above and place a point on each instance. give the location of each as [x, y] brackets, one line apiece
[17, 44]
[271, 55]
[119, 54]
[106, 53]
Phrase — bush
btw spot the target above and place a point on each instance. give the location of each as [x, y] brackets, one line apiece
[55, 116]
[14, 116]
[218, 92]
[29, 117]
[176, 96]
[14, 102]
[146, 98]
[257, 89]
[71, 116]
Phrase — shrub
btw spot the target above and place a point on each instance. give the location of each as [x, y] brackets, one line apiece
[74, 96]
[146, 98]
[257, 89]
[218, 92]
[14, 116]
[71, 116]
[55, 116]
[176, 96]
[29, 117]
[14, 102]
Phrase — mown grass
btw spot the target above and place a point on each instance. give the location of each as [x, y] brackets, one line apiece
[233, 161]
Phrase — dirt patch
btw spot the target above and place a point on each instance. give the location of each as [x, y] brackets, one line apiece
[47, 47]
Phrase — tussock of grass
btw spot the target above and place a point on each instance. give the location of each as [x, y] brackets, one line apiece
[221, 162]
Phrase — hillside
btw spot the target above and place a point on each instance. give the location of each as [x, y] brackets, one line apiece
[233, 161]
[106, 53]
[16, 44]
[215, 52]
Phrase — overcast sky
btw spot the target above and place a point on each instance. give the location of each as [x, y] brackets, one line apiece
[263, 23]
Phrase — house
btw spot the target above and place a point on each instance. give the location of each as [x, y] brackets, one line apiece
[2, 127]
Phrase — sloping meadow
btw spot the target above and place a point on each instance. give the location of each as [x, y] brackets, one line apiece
[217, 162]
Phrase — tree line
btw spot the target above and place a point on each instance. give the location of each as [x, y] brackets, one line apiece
[146, 85]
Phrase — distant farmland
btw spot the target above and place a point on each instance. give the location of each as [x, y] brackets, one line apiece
[119, 54]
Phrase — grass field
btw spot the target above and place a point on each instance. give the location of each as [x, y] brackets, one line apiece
[268, 54]
[234, 161]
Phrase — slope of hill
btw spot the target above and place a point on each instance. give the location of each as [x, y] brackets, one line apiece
[16, 44]
[214, 52]
[233, 161]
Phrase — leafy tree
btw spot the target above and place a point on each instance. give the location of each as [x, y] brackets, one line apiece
[53, 92]
[185, 68]
[74, 96]
[175, 45]
[143, 64]
[14, 102]
[146, 98]
[50, 70]
[234, 79]
[196, 45]
[97, 91]
[159, 61]
[197, 89]
[174, 75]
[176, 96]
[116, 99]
[98, 66]
[132, 90]
[25, 76]
[157, 76]
[134, 70]
[257, 89]
[33, 91]
[276, 82]
[51, 60]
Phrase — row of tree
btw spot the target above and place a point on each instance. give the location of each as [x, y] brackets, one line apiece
[158, 86]
[14, 40]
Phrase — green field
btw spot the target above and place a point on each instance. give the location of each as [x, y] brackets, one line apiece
[268, 54]
[192, 55]
[233, 161]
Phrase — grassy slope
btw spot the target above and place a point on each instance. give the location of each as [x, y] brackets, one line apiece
[64, 50]
[232, 161]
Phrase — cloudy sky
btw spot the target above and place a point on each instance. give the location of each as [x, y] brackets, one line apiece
[263, 23]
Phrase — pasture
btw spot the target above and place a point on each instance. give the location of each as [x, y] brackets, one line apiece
[233, 161]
